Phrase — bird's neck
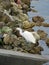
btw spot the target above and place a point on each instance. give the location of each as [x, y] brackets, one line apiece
[21, 33]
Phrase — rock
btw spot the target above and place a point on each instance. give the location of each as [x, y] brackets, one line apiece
[7, 47]
[47, 41]
[16, 9]
[32, 51]
[31, 46]
[23, 17]
[15, 49]
[24, 51]
[38, 19]
[20, 17]
[11, 0]
[1, 13]
[10, 39]
[17, 19]
[42, 34]
[26, 24]
[37, 44]
[22, 42]
[11, 24]
[32, 24]
[1, 10]
[3, 2]
[25, 7]
[19, 49]
[38, 23]
[19, 6]
[0, 31]
[27, 2]
[2, 24]
[6, 29]
[38, 50]
[7, 17]
[16, 23]
[7, 39]
[45, 24]
[29, 29]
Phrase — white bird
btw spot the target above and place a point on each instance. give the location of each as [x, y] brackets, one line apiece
[36, 35]
[29, 36]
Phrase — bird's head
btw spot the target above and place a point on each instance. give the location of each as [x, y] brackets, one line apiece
[19, 29]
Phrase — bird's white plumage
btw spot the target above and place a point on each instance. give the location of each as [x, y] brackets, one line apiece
[28, 35]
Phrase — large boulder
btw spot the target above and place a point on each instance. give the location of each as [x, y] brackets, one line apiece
[42, 34]
[38, 19]
[27, 24]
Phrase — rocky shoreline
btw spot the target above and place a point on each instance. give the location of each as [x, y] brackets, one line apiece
[12, 16]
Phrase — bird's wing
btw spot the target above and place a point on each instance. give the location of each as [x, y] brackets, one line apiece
[36, 35]
[29, 37]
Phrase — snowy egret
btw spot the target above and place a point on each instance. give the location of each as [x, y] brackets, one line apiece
[29, 37]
